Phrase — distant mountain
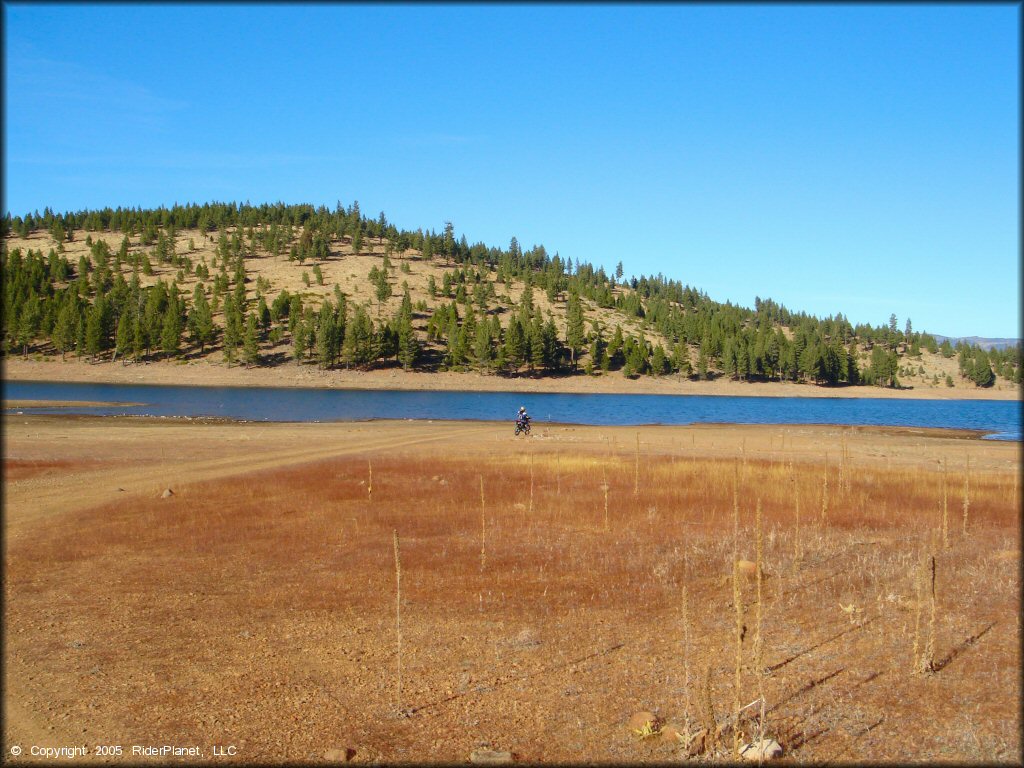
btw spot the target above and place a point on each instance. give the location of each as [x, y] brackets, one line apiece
[978, 341]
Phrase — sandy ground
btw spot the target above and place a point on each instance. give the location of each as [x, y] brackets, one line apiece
[66, 686]
[204, 373]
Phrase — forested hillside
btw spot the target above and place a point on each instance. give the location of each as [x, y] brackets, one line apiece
[279, 284]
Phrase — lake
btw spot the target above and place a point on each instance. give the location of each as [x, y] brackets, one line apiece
[999, 419]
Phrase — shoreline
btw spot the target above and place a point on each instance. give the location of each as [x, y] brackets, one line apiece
[10, 405]
[206, 374]
[392, 423]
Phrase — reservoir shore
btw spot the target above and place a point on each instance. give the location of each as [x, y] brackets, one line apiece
[309, 376]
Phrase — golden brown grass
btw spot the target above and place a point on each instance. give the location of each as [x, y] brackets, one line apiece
[269, 597]
[398, 619]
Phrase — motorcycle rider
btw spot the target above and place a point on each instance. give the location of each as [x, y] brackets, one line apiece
[522, 418]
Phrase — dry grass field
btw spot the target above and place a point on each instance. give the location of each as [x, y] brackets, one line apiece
[827, 585]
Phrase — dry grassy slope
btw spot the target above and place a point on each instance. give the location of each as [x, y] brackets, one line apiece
[351, 273]
[344, 268]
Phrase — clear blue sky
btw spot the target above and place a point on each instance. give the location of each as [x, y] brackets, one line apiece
[862, 159]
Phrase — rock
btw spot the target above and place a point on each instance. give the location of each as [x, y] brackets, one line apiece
[672, 733]
[643, 721]
[765, 749]
[525, 639]
[720, 730]
[167, 493]
[698, 743]
[746, 567]
[339, 754]
[490, 757]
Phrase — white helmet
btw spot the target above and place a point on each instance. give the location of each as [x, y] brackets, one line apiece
[522, 408]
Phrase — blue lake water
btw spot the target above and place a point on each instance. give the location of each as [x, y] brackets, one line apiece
[999, 419]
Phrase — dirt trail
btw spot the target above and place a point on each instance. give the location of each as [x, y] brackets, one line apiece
[34, 499]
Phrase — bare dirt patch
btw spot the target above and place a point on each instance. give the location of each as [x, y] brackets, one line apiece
[257, 605]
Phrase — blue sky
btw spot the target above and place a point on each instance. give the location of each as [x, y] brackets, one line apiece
[861, 159]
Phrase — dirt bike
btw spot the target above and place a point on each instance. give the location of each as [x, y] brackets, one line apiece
[522, 426]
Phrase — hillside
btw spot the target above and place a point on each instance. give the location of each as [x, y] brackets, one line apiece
[326, 291]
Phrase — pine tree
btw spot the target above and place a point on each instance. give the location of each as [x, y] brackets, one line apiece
[94, 329]
[615, 358]
[681, 359]
[702, 363]
[574, 335]
[200, 320]
[63, 335]
[852, 369]
[138, 338]
[659, 363]
[251, 341]
[29, 321]
[729, 360]
[979, 368]
[408, 347]
[535, 337]
[170, 335]
[232, 329]
[298, 336]
[526, 300]
[123, 341]
[549, 340]
[358, 344]
[482, 347]
[811, 363]
[263, 314]
[515, 344]
[327, 342]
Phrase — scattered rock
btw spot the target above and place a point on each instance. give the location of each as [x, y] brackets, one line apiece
[765, 749]
[167, 493]
[340, 754]
[490, 757]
